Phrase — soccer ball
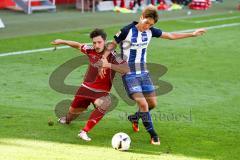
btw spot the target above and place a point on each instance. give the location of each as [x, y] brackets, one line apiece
[121, 141]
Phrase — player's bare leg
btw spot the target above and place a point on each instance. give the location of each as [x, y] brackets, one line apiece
[142, 104]
[151, 100]
[72, 114]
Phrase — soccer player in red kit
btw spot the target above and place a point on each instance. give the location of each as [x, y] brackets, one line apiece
[94, 88]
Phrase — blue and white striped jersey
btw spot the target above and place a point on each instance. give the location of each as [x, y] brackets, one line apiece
[134, 44]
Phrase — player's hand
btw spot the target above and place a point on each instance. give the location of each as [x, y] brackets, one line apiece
[110, 46]
[57, 42]
[102, 72]
[103, 64]
[199, 32]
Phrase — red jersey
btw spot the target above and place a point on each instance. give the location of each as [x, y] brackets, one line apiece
[92, 79]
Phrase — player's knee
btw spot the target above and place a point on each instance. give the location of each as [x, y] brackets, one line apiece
[152, 104]
[103, 103]
[143, 105]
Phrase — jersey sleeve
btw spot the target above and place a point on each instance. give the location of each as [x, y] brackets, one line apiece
[85, 49]
[121, 35]
[156, 32]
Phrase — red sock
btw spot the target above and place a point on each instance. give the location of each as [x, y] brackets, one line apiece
[94, 118]
[152, 2]
[115, 3]
[122, 4]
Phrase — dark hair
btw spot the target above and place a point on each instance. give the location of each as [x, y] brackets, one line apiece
[150, 12]
[98, 32]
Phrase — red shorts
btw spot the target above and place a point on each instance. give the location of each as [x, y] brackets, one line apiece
[84, 97]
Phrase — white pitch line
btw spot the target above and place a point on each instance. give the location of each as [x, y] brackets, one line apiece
[217, 19]
[63, 47]
[31, 51]
[211, 27]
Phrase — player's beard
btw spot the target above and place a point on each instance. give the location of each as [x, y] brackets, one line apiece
[98, 50]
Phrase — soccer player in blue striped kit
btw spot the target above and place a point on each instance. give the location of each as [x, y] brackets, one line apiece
[133, 40]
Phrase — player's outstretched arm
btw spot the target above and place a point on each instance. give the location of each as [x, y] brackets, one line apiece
[73, 44]
[121, 68]
[175, 36]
